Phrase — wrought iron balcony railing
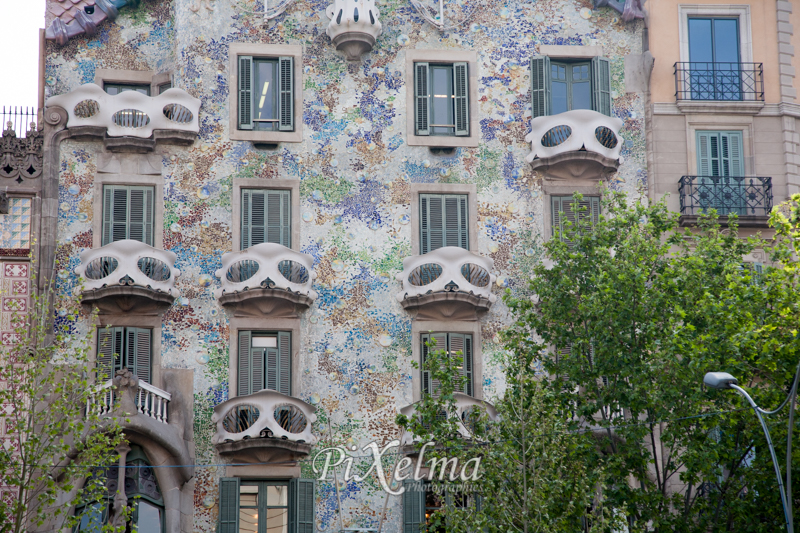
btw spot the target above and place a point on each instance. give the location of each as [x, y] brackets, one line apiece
[727, 194]
[719, 81]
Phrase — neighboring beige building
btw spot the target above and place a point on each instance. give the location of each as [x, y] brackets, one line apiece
[723, 111]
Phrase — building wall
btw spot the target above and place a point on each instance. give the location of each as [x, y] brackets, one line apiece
[356, 171]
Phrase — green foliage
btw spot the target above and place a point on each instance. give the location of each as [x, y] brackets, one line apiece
[53, 445]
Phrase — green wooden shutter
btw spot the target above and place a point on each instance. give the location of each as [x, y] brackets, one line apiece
[127, 214]
[556, 209]
[229, 505]
[108, 199]
[301, 513]
[245, 385]
[461, 97]
[413, 507]
[138, 352]
[431, 226]
[594, 209]
[110, 347]
[704, 164]
[456, 221]
[286, 93]
[272, 359]
[601, 85]
[540, 86]
[285, 363]
[258, 357]
[278, 219]
[731, 144]
[422, 99]
[140, 216]
[426, 375]
[266, 217]
[430, 385]
[460, 342]
[245, 92]
[246, 234]
[444, 221]
[562, 211]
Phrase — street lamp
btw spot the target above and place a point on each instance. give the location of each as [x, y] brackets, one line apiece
[723, 380]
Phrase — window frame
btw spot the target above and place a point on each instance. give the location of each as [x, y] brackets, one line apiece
[464, 224]
[742, 12]
[468, 189]
[434, 57]
[293, 186]
[125, 356]
[469, 327]
[285, 202]
[298, 520]
[133, 77]
[592, 197]
[541, 85]
[469, 376]
[151, 322]
[111, 222]
[267, 333]
[238, 324]
[129, 86]
[569, 81]
[256, 50]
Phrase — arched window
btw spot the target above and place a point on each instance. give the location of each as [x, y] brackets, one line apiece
[141, 489]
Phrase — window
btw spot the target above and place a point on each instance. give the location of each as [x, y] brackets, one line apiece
[116, 88]
[714, 58]
[265, 362]
[441, 92]
[444, 221]
[164, 87]
[720, 167]
[266, 217]
[563, 85]
[453, 343]
[266, 93]
[562, 212]
[142, 491]
[130, 348]
[421, 501]
[127, 213]
[247, 506]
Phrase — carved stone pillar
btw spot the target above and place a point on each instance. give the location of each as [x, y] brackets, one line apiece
[126, 385]
[120, 499]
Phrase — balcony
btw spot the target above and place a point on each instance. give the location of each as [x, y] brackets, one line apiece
[128, 277]
[352, 32]
[447, 283]
[267, 280]
[264, 426]
[130, 121]
[719, 87]
[576, 144]
[749, 198]
[467, 411]
[20, 152]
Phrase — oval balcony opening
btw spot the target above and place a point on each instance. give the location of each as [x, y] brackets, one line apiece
[606, 137]
[240, 419]
[475, 274]
[425, 274]
[86, 109]
[293, 271]
[131, 118]
[291, 419]
[178, 113]
[242, 271]
[555, 136]
[154, 269]
[101, 267]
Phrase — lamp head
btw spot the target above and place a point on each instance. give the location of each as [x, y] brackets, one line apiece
[719, 380]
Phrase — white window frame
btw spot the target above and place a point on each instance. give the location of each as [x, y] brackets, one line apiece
[740, 11]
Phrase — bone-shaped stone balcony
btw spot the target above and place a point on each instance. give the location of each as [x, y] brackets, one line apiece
[447, 274]
[575, 144]
[130, 113]
[469, 411]
[354, 26]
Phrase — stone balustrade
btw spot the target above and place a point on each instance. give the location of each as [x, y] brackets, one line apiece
[266, 414]
[149, 401]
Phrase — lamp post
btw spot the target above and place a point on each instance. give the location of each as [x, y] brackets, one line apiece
[723, 380]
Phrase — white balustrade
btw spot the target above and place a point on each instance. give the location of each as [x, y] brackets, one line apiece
[266, 413]
[450, 269]
[572, 131]
[129, 113]
[267, 265]
[354, 26]
[129, 262]
[150, 401]
[467, 408]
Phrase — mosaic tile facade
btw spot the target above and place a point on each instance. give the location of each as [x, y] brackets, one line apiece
[15, 228]
[355, 170]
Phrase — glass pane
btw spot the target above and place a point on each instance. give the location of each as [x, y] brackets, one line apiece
[726, 40]
[92, 519]
[277, 521]
[265, 96]
[442, 111]
[277, 495]
[558, 97]
[248, 496]
[149, 517]
[700, 47]
[248, 520]
[581, 95]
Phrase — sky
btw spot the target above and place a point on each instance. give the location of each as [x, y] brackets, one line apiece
[19, 52]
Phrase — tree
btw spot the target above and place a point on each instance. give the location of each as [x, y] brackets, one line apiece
[632, 315]
[54, 442]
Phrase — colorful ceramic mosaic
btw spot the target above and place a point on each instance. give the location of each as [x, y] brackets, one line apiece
[15, 227]
[355, 170]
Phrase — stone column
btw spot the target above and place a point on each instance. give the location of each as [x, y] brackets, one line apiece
[120, 499]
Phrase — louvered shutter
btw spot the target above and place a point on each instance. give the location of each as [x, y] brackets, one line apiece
[561, 355]
[455, 221]
[229, 505]
[426, 375]
[245, 92]
[461, 94]
[245, 377]
[601, 85]
[707, 167]
[110, 347]
[286, 93]
[594, 209]
[272, 359]
[140, 214]
[540, 86]
[443, 221]
[431, 226]
[413, 506]
[266, 217]
[301, 515]
[468, 366]
[108, 199]
[459, 342]
[430, 385]
[422, 99]
[138, 352]
[285, 363]
[733, 165]
[127, 214]
[704, 153]
[278, 219]
[246, 201]
[258, 357]
[119, 214]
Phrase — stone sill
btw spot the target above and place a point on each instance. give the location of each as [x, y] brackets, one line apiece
[134, 144]
[747, 221]
[739, 107]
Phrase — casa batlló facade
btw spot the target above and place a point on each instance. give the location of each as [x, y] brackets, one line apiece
[274, 206]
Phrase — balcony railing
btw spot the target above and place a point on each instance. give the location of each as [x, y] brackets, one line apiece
[150, 401]
[719, 81]
[265, 414]
[21, 144]
[468, 411]
[130, 263]
[740, 195]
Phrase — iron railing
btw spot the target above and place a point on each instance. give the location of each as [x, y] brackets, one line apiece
[727, 194]
[719, 81]
[19, 119]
